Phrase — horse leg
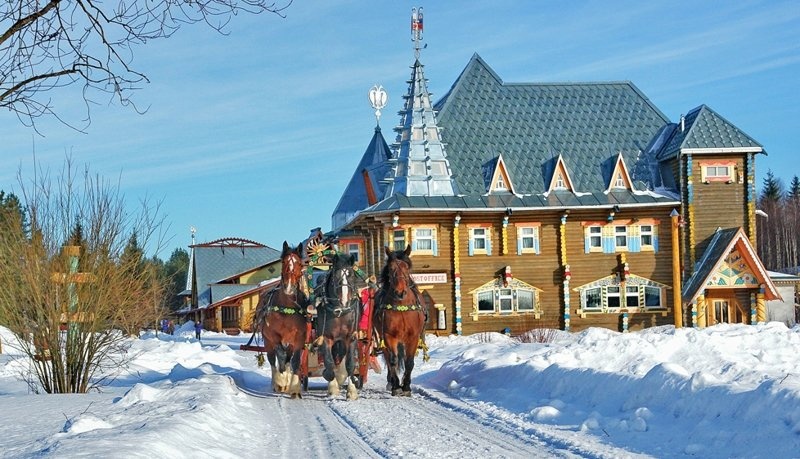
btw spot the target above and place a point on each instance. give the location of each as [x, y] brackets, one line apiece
[409, 366]
[293, 376]
[327, 357]
[350, 365]
[276, 375]
[392, 360]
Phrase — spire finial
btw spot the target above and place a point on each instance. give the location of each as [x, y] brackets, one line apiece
[378, 98]
[416, 29]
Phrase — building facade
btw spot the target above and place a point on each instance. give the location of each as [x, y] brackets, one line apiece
[561, 205]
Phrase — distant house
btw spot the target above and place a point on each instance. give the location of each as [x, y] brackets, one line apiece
[225, 280]
[556, 205]
[784, 310]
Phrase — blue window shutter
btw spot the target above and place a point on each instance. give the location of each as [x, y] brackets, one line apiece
[488, 245]
[471, 247]
[635, 243]
[414, 244]
[435, 246]
[655, 243]
[608, 244]
[519, 246]
[587, 241]
[536, 244]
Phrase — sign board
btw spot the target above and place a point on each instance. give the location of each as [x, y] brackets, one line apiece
[430, 278]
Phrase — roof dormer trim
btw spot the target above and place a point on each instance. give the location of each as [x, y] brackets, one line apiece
[560, 180]
[620, 179]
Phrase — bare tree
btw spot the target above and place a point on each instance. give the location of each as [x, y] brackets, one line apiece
[73, 319]
[48, 44]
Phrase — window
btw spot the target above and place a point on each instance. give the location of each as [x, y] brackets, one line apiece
[612, 297]
[646, 233]
[652, 297]
[424, 241]
[480, 241]
[595, 238]
[560, 183]
[717, 172]
[525, 300]
[621, 237]
[606, 295]
[593, 299]
[399, 239]
[527, 239]
[619, 182]
[632, 296]
[353, 249]
[506, 300]
[501, 183]
[486, 301]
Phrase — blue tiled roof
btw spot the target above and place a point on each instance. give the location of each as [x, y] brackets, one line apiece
[705, 128]
[375, 163]
[529, 124]
[213, 264]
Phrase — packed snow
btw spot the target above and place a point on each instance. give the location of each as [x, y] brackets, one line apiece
[724, 391]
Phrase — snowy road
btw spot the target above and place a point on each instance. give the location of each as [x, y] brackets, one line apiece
[429, 424]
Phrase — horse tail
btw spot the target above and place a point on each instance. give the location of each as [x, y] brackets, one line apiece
[338, 351]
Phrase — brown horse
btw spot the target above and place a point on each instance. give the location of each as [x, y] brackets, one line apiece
[337, 320]
[399, 319]
[284, 323]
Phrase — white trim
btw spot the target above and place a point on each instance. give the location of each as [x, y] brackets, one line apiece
[688, 151]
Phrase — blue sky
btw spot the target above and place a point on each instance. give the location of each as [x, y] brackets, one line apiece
[256, 133]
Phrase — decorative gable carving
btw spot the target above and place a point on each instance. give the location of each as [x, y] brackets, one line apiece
[560, 179]
[620, 178]
[496, 177]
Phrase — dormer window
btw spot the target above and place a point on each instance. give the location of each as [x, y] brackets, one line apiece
[620, 179]
[560, 180]
[496, 177]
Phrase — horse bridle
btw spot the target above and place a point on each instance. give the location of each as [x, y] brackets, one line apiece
[347, 289]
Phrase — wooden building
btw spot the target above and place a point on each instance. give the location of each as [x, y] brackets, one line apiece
[225, 280]
[561, 205]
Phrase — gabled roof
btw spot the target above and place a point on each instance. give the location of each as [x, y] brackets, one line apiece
[367, 178]
[559, 170]
[706, 131]
[619, 171]
[493, 171]
[481, 117]
[228, 258]
[715, 260]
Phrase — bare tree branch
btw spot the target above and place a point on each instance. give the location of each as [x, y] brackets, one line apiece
[46, 46]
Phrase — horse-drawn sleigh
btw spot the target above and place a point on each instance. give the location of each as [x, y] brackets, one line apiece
[309, 322]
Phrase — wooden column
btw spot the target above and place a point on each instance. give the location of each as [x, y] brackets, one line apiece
[677, 306]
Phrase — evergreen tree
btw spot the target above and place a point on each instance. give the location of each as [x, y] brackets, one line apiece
[133, 255]
[12, 212]
[794, 188]
[174, 273]
[772, 188]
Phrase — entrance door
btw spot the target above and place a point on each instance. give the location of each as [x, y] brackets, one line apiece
[724, 311]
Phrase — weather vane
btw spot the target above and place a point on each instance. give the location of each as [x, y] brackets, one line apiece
[378, 98]
[416, 29]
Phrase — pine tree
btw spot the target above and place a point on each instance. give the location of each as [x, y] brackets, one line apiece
[794, 189]
[174, 273]
[772, 188]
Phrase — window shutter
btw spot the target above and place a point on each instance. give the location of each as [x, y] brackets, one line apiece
[471, 246]
[519, 245]
[414, 243]
[488, 244]
[655, 242]
[435, 245]
[609, 245]
[587, 243]
[635, 243]
[536, 242]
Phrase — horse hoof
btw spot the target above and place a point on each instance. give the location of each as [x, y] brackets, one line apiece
[396, 392]
[406, 393]
[294, 396]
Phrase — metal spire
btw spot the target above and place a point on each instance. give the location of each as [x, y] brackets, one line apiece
[416, 29]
